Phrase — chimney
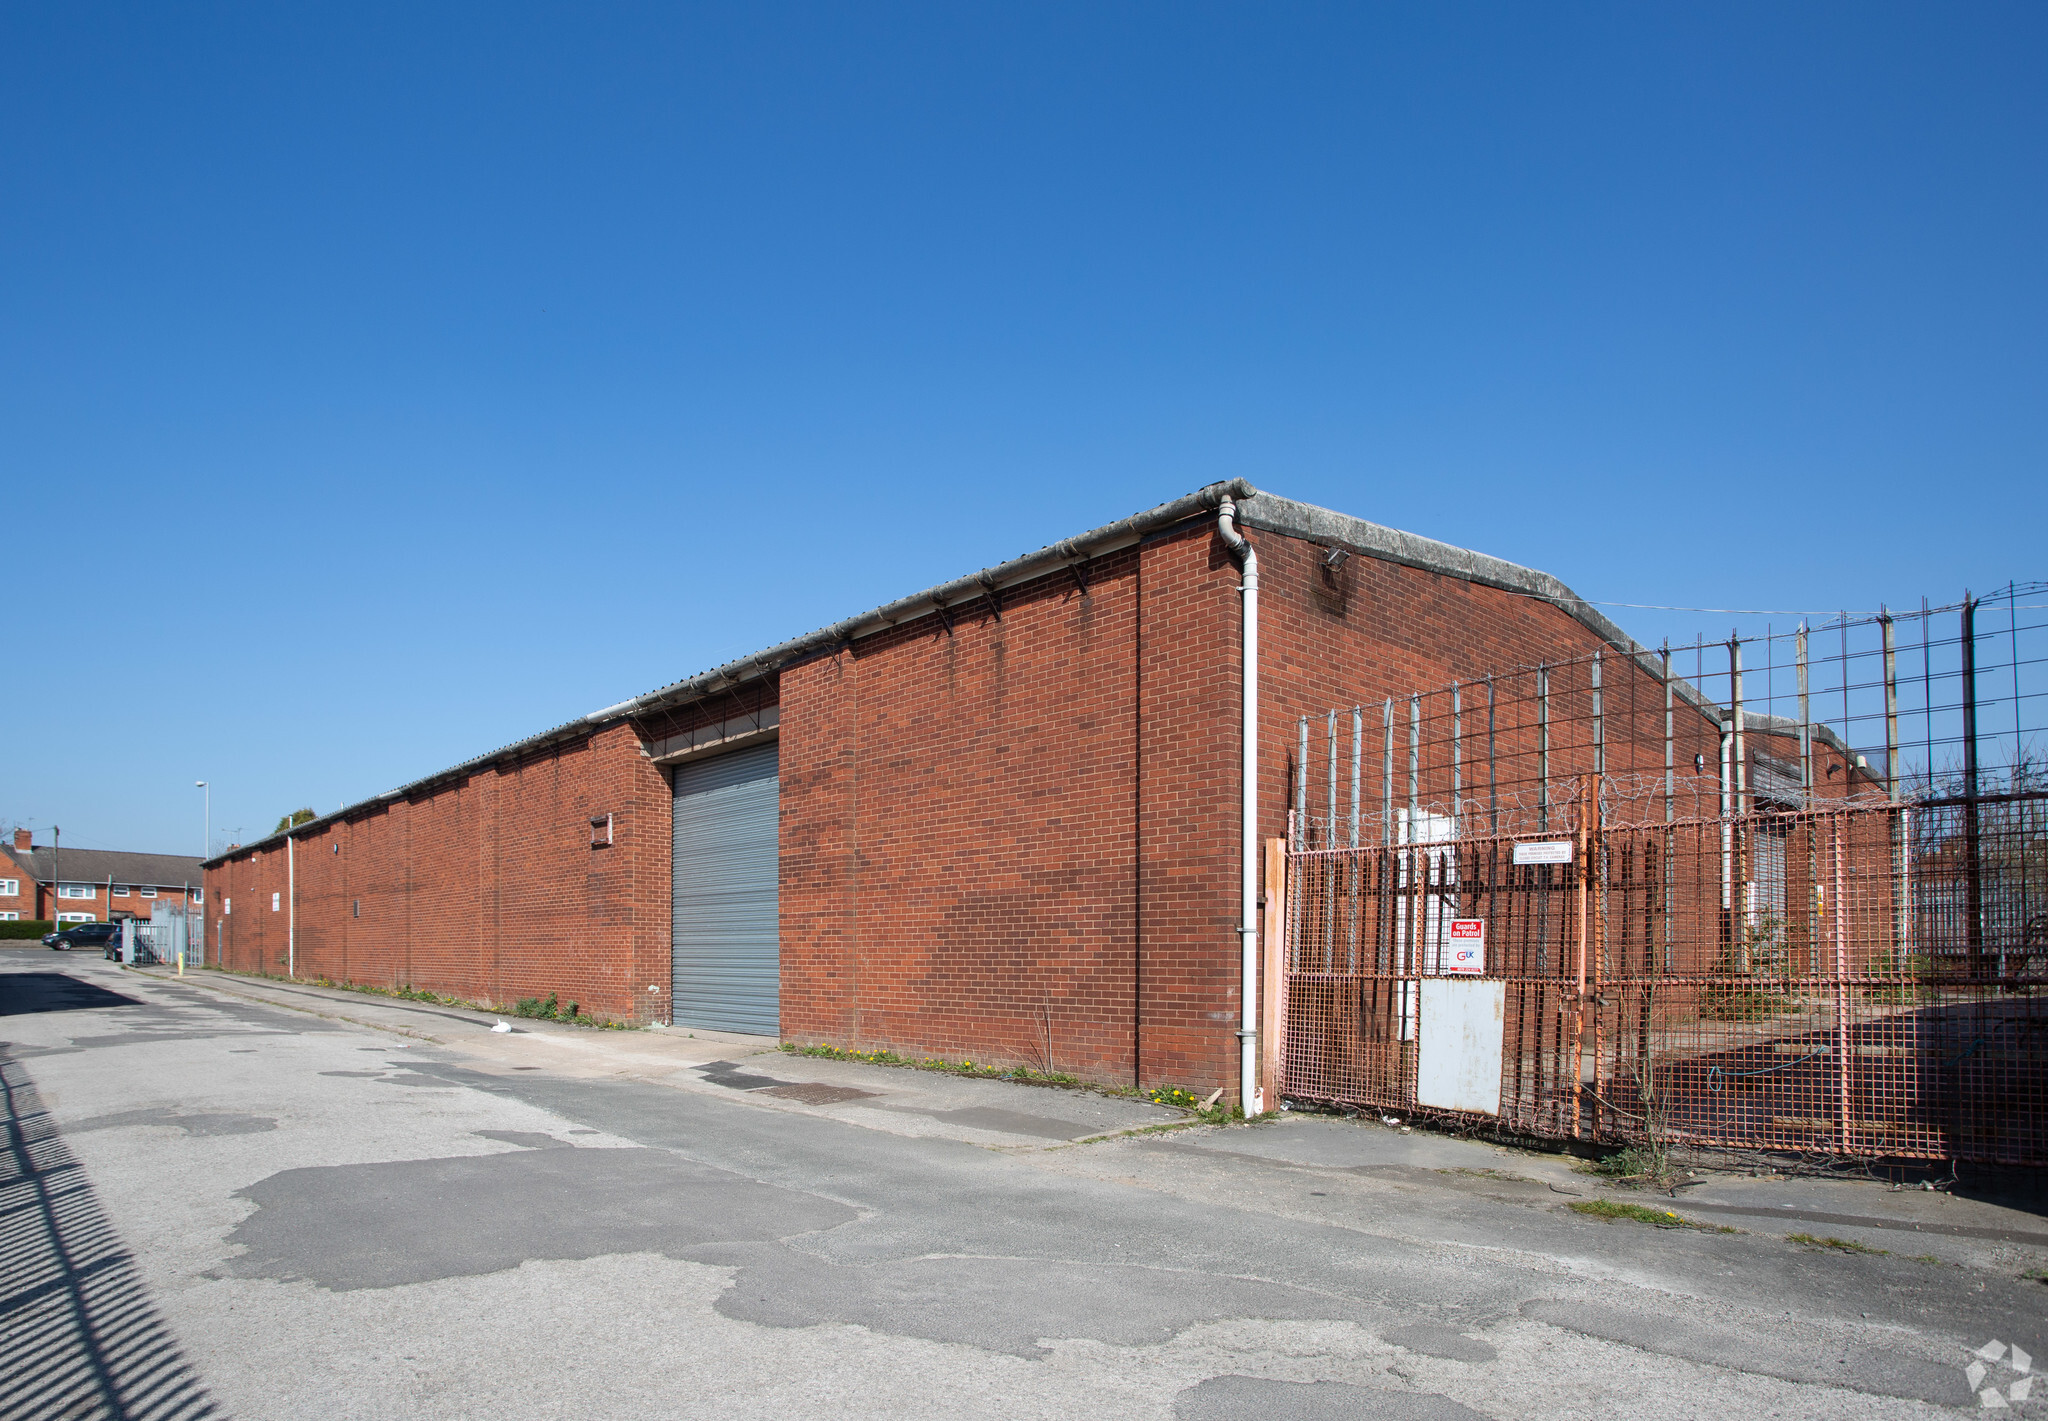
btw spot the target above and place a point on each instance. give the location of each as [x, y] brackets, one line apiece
[23, 841]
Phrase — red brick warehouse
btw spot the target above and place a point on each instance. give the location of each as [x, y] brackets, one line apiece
[999, 819]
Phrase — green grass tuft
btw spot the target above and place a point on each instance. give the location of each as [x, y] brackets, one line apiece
[1839, 1245]
[1612, 1210]
[548, 1009]
[1023, 1075]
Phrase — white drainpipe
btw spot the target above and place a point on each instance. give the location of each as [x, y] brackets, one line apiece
[1248, 889]
[291, 920]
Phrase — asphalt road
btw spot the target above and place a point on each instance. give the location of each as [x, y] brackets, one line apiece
[302, 1206]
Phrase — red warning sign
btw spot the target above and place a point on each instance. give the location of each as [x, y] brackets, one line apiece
[1467, 952]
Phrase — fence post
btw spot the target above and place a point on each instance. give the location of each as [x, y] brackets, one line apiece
[1593, 827]
[1581, 868]
[1272, 1008]
[1891, 707]
[1414, 762]
[1387, 774]
[1330, 761]
[1457, 760]
[1907, 926]
[1291, 931]
[1492, 766]
[1333, 870]
[1843, 1050]
[1599, 722]
[1899, 865]
[1805, 724]
[1973, 871]
[1357, 737]
[1298, 830]
[1664, 904]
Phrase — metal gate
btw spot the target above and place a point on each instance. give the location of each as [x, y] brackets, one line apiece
[1633, 1004]
[1802, 947]
[725, 967]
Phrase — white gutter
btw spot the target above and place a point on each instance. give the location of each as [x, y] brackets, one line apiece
[1248, 1094]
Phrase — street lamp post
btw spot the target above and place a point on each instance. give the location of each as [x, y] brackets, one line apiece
[206, 838]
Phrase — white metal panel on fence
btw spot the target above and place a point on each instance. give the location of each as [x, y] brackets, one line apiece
[726, 957]
[1458, 1053]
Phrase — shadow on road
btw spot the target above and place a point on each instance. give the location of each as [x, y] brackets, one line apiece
[81, 1338]
[25, 993]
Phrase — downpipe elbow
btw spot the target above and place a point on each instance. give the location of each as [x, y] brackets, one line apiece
[1226, 529]
[1241, 549]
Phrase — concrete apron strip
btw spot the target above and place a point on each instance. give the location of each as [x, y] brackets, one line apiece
[479, 1037]
[1857, 1367]
[485, 1020]
[960, 1123]
[1865, 1221]
[309, 1011]
[969, 1121]
[1502, 1190]
[255, 992]
[258, 992]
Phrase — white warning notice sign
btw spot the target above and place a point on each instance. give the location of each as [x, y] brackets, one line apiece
[1544, 851]
[1467, 946]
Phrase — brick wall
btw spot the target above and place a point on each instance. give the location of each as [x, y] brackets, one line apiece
[958, 866]
[485, 889]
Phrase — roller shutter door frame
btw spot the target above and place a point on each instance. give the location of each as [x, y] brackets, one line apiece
[725, 965]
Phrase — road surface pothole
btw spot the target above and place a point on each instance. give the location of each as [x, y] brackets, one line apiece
[819, 1093]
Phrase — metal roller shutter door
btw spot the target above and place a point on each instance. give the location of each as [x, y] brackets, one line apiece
[726, 964]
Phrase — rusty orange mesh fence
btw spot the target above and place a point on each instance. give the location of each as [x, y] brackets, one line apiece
[1743, 949]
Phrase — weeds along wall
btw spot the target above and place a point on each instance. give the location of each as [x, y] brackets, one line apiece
[486, 888]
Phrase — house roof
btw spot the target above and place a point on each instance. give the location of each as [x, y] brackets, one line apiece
[99, 865]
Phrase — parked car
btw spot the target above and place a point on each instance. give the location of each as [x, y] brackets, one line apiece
[83, 935]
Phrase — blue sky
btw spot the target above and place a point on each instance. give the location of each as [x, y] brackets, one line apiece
[381, 384]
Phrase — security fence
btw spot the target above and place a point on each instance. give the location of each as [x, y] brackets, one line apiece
[1600, 901]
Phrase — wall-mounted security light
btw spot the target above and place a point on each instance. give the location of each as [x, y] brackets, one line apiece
[1335, 558]
[600, 831]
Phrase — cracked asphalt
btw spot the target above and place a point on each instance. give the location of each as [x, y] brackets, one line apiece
[233, 1198]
